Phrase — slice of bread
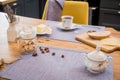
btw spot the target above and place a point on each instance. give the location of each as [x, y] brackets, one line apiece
[111, 41]
[99, 34]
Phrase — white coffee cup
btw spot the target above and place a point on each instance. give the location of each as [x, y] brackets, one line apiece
[67, 21]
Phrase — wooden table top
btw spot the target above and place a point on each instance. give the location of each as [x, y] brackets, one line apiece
[11, 50]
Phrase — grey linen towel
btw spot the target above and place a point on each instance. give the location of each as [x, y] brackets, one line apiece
[60, 2]
[54, 9]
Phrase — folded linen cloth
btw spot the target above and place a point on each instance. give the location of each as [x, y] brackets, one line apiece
[60, 2]
[54, 9]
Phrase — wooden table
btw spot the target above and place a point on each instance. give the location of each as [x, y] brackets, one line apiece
[11, 50]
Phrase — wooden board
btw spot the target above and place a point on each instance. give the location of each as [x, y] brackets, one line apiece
[86, 39]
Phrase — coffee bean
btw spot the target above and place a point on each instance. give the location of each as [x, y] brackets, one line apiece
[42, 52]
[41, 49]
[62, 56]
[34, 54]
[53, 53]
[47, 49]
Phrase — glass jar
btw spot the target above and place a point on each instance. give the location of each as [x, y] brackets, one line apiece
[27, 41]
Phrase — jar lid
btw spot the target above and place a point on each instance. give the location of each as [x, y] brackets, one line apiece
[97, 56]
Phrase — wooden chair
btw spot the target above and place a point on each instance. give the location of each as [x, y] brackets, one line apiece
[78, 9]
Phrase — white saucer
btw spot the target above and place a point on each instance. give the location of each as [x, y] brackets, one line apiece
[74, 26]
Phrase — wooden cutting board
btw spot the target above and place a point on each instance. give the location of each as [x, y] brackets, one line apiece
[92, 42]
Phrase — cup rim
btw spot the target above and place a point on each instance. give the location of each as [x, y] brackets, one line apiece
[67, 16]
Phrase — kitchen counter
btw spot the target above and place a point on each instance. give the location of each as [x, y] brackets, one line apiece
[3, 2]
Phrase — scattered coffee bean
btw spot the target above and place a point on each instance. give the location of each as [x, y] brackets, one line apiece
[62, 56]
[47, 49]
[34, 54]
[41, 49]
[53, 53]
[42, 52]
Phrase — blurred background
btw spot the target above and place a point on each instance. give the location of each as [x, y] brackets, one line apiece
[101, 12]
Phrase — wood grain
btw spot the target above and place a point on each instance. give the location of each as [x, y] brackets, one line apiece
[12, 49]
